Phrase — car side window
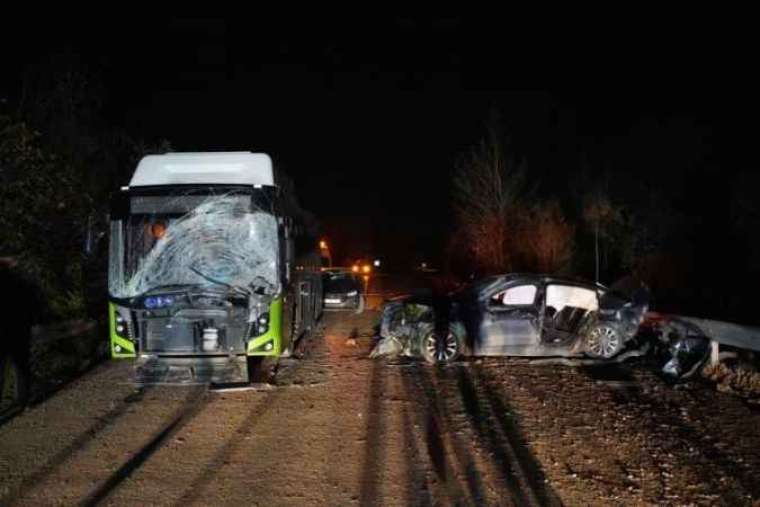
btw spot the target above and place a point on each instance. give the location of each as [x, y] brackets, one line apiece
[563, 296]
[520, 295]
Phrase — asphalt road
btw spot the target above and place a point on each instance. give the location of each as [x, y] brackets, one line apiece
[337, 428]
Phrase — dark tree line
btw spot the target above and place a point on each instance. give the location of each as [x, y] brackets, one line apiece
[656, 204]
[59, 162]
[61, 158]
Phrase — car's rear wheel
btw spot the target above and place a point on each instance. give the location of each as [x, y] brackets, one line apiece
[604, 341]
[441, 347]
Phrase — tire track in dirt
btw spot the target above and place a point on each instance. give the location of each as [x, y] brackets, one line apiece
[374, 449]
[446, 454]
[120, 445]
[194, 404]
[203, 478]
[487, 411]
[60, 457]
[46, 436]
[191, 464]
[418, 491]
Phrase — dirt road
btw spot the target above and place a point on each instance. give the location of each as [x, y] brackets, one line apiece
[341, 429]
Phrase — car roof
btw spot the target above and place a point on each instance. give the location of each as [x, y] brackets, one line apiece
[332, 271]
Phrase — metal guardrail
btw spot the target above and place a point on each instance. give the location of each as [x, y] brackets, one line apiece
[728, 333]
[723, 333]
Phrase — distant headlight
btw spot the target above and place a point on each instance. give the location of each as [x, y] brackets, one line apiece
[352, 293]
[152, 302]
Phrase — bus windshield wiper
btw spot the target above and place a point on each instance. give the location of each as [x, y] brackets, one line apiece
[167, 287]
[236, 288]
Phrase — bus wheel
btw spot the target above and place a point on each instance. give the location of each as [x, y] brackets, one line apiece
[261, 369]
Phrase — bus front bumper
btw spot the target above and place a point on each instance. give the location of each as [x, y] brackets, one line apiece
[187, 370]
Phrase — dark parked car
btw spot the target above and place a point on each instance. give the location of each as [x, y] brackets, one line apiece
[514, 315]
[18, 315]
[342, 290]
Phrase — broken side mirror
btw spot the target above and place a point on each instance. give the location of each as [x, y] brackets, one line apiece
[93, 236]
[88, 245]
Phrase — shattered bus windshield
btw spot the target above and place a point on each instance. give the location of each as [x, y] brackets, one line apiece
[196, 239]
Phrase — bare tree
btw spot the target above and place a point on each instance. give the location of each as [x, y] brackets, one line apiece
[487, 186]
[602, 215]
[548, 238]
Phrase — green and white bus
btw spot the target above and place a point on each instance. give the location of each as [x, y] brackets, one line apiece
[211, 270]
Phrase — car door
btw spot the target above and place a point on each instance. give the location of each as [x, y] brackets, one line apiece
[509, 321]
[566, 307]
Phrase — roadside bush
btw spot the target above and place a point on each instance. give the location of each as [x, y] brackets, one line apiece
[43, 211]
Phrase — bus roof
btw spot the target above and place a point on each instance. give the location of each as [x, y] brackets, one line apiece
[211, 168]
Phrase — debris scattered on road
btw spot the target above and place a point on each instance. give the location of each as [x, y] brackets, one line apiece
[738, 380]
[577, 362]
[254, 386]
[389, 346]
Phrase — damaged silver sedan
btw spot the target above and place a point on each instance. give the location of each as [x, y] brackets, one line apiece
[513, 315]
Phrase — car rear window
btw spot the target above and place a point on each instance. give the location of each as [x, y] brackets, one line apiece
[340, 283]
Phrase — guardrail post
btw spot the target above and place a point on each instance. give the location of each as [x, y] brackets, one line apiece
[714, 352]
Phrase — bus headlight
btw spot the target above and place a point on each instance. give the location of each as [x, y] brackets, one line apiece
[121, 327]
[262, 324]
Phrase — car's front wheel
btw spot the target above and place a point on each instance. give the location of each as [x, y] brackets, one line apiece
[441, 347]
[604, 341]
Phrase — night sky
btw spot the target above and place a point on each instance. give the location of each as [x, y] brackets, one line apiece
[368, 116]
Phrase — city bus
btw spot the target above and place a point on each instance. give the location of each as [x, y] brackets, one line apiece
[213, 273]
